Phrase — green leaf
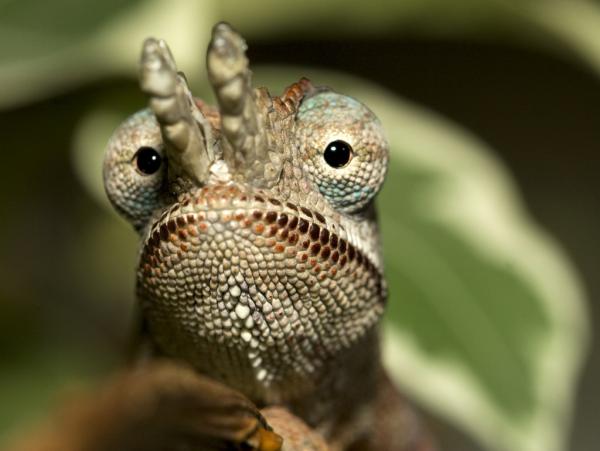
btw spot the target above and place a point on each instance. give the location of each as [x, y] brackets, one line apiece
[36, 381]
[38, 31]
[46, 50]
[565, 28]
[486, 320]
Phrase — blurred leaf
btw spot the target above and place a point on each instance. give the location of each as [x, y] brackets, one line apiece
[89, 141]
[334, 18]
[576, 23]
[487, 319]
[31, 31]
[48, 49]
[566, 28]
[486, 316]
[35, 381]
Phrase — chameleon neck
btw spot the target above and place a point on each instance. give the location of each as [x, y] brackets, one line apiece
[341, 406]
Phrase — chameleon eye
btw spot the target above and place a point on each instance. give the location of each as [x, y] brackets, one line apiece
[148, 160]
[338, 154]
[343, 147]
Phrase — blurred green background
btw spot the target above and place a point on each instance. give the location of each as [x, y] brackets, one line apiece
[492, 109]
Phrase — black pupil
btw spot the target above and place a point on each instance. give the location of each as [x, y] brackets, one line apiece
[148, 160]
[338, 153]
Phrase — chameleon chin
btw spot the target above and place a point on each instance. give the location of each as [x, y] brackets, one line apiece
[260, 262]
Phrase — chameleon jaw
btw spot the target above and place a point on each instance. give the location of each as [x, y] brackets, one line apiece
[253, 291]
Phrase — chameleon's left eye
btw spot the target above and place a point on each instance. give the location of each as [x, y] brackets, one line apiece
[338, 153]
[342, 148]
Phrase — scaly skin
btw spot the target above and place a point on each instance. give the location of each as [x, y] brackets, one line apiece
[260, 262]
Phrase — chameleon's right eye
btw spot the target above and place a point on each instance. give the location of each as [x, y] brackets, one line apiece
[148, 160]
[135, 169]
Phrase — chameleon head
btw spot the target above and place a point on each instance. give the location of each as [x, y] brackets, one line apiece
[260, 262]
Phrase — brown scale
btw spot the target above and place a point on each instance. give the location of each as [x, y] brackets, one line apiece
[324, 236]
[282, 220]
[271, 217]
[326, 251]
[164, 232]
[351, 252]
[315, 248]
[293, 238]
[303, 225]
[307, 212]
[291, 206]
[314, 232]
[347, 252]
[293, 223]
[320, 218]
[333, 241]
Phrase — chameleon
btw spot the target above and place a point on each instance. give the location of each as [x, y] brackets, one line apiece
[260, 263]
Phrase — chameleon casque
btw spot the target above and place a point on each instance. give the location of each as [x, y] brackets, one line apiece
[260, 261]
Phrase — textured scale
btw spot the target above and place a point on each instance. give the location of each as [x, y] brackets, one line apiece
[260, 263]
[138, 196]
[256, 291]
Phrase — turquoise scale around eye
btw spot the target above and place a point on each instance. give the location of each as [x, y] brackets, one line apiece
[345, 145]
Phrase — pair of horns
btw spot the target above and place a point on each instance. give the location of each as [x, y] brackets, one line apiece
[187, 134]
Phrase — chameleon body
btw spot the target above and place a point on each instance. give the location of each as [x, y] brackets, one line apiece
[260, 262]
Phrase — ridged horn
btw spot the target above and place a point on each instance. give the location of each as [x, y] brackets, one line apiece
[185, 131]
[227, 65]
